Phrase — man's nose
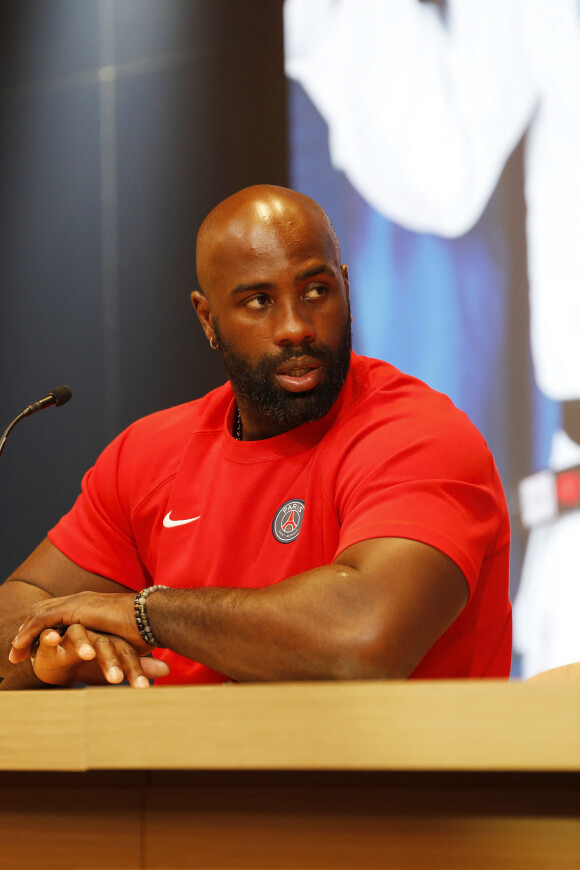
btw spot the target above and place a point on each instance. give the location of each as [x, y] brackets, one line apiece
[293, 324]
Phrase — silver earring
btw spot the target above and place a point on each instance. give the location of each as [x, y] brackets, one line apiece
[213, 343]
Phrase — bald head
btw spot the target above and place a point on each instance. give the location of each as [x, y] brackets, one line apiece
[252, 219]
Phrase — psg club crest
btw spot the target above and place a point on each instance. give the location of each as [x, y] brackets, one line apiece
[288, 519]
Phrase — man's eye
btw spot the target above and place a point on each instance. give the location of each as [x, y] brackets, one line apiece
[257, 302]
[316, 292]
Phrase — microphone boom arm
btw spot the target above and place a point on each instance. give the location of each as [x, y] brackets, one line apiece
[57, 397]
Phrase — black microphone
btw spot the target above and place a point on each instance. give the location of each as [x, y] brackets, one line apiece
[58, 396]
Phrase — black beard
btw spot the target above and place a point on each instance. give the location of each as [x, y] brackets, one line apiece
[255, 382]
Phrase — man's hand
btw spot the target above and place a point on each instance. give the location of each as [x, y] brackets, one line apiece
[102, 612]
[89, 657]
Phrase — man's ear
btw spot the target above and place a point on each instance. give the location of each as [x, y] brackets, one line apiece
[344, 273]
[203, 311]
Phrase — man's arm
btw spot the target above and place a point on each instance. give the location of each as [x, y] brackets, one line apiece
[47, 573]
[16, 600]
[374, 613]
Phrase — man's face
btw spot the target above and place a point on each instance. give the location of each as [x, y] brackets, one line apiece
[281, 317]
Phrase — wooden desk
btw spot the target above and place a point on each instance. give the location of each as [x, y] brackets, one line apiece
[374, 775]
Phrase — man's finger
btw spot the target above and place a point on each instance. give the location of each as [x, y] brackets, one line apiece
[154, 668]
[107, 658]
[133, 666]
[54, 659]
[49, 636]
[47, 643]
[78, 636]
[34, 624]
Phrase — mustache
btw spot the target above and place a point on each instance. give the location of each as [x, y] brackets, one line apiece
[321, 352]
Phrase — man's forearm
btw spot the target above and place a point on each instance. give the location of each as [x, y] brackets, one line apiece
[19, 676]
[15, 600]
[313, 626]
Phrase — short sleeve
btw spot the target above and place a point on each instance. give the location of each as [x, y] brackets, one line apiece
[440, 488]
[97, 532]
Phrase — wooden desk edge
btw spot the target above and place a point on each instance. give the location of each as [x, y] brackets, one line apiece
[429, 726]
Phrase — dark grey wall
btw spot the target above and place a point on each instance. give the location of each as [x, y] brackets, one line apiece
[122, 123]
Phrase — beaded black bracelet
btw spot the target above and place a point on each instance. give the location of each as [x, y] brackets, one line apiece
[141, 614]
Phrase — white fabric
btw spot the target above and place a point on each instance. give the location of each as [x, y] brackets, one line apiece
[424, 112]
[547, 607]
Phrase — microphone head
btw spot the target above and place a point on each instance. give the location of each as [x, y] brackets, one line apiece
[61, 394]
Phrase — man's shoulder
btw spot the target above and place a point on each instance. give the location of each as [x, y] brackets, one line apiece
[382, 390]
[398, 429]
[180, 421]
[151, 449]
[390, 409]
[147, 455]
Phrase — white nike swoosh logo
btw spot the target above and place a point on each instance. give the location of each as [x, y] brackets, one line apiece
[169, 523]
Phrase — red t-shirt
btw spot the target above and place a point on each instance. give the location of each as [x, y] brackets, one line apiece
[392, 458]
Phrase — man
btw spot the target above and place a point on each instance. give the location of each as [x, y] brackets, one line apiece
[320, 516]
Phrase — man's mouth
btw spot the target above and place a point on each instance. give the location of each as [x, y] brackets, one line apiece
[297, 373]
[297, 376]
